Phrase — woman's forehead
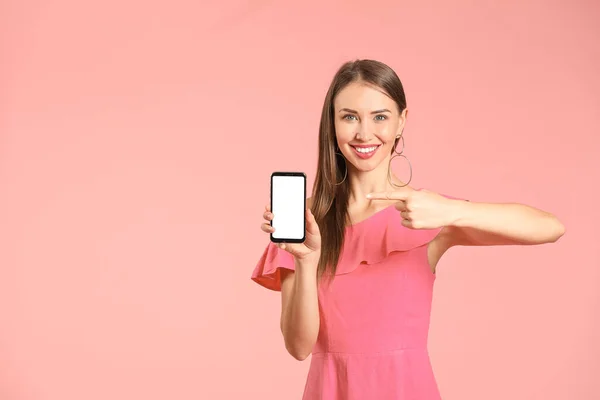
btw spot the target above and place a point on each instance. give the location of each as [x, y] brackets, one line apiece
[362, 97]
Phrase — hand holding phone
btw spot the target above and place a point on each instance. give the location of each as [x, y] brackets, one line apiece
[289, 222]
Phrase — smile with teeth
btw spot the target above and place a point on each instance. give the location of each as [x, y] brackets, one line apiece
[365, 149]
[364, 152]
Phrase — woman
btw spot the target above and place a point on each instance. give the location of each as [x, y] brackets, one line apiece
[357, 293]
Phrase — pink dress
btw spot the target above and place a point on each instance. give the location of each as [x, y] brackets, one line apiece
[372, 342]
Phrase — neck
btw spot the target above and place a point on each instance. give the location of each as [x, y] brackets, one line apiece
[365, 182]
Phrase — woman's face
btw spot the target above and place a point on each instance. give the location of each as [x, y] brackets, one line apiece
[367, 121]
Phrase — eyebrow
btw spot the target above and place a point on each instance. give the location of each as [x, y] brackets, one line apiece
[372, 112]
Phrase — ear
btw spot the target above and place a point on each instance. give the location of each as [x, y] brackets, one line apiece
[402, 122]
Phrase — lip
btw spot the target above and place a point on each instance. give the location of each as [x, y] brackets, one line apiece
[362, 146]
[365, 156]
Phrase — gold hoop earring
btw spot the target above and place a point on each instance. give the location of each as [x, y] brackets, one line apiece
[345, 170]
[399, 154]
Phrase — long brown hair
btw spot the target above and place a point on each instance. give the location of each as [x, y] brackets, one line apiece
[330, 200]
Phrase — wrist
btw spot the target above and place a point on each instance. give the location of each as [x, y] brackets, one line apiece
[308, 262]
[459, 212]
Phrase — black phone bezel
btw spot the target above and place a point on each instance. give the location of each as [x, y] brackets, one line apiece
[289, 240]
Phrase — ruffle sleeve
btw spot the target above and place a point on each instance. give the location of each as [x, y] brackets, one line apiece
[267, 272]
[375, 239]
[379, 237]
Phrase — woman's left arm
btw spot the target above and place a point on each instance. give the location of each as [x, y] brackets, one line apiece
[489, 224]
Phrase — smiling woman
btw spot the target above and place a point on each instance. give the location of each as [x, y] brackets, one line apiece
[365, 145]
[357, 293]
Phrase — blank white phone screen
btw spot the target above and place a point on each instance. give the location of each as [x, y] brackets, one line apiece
[288, 207]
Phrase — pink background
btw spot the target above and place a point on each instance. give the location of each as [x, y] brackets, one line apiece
[136, 143]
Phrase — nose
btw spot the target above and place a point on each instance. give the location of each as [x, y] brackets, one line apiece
[364, 131]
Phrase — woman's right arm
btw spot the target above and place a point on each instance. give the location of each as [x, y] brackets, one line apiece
[300, 308]
[300, 317]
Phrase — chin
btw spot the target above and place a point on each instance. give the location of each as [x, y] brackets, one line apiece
[365, 165]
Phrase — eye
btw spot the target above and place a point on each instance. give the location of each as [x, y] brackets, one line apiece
[383, 117]
[348, 115]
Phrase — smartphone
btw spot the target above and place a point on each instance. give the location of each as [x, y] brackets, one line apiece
[288, 205]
